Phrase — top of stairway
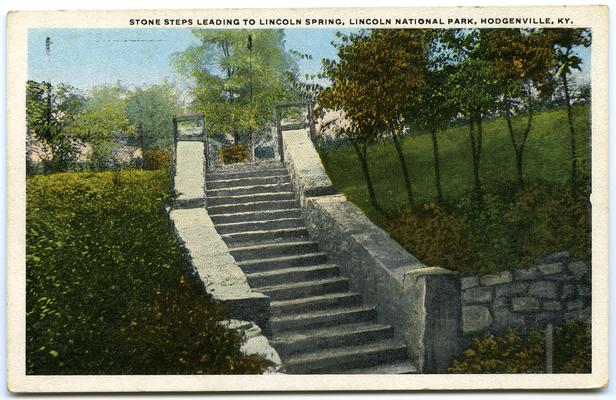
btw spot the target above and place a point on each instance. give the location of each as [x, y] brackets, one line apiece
[246, 166]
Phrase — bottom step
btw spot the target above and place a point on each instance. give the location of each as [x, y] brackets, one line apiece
[347, 358]
[398, 367]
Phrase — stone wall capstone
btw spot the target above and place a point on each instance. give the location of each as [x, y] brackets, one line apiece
[554, 291]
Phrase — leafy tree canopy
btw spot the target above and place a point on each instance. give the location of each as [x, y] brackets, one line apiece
[237, 82]
[150, 110]
[49, 109]
[104, 117]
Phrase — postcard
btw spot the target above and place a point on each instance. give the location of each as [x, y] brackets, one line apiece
[307, 199]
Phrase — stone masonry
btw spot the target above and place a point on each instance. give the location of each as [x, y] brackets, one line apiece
[556, 290]
[421, 303]
[209, 257]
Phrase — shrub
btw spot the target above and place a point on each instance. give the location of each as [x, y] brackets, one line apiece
[234, 153]
[154, 159]
[492, 241]
[176, 333]
[100, 258]
[434, 235]
[507, 354]
[573, 348]
[550, 220]
[515, 353]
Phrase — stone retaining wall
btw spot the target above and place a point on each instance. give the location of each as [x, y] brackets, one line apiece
[207, 253]
[216, 269]
[189, 175]
[421, 303]
[557, 290]
[304, 165]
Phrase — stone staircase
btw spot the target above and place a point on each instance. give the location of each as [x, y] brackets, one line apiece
[318, 325]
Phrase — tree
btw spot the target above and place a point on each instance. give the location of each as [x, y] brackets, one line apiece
[434, 114]
[522, 61]
[347, 94]
[436, 109]
[473, 87]
[50, 112]
[150, 110]
[236, 86]
[564, 44]
[104, 121]
[396, 60]
[377, 79]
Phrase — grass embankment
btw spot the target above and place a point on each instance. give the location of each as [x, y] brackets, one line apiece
[107, 291]
[512, 227]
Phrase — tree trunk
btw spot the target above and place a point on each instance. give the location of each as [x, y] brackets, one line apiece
[361, 154]
[517, 150]
[476, 152]
[437, 166]
[405, 171]
[518, 147]
[572, 143]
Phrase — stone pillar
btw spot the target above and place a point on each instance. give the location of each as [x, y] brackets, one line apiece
[434, 334]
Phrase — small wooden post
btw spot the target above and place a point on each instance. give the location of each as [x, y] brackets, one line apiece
[279, 132]
[549, 349]
[311, 124]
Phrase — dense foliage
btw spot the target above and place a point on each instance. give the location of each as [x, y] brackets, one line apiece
[515, 353]
[50, 111]
[98, 129]
[512, 229]
[107, 291]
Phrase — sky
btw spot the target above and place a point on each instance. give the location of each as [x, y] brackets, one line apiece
[90, 57]
[135, 57]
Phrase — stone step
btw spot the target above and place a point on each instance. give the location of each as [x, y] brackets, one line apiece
[252, 206]
[249, 198]
[250, 181]
[293, 342]
[270, 235]
[256, 216]
[315, 303]
[248, 173]
[395, 367]
[260, 225]
[256, 189]
[288, 275]
[276, 263]
[323, 318]
[296, 290]
[348, 357]
[270, 250]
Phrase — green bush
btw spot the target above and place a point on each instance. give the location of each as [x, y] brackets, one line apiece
[434, 235]
[514, 353]
[573, 348]
[154, 159]
[99, 259]
[511, 228]
[234, 153]
[550, 220]
[180, 334]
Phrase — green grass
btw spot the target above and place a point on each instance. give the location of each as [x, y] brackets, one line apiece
[546, 163]
[107, 286]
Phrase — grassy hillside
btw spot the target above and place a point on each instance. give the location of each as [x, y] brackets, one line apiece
[107, 291]
[546, 164]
